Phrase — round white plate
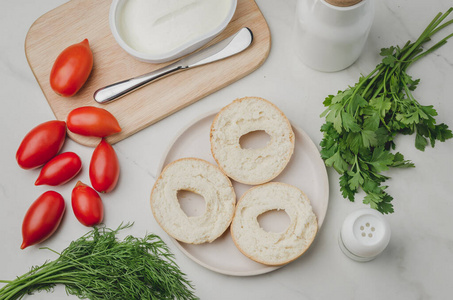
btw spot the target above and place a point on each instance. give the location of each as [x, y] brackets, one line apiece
[306, 170]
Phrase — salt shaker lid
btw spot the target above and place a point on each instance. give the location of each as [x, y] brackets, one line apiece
[343, 3]
[365, 233]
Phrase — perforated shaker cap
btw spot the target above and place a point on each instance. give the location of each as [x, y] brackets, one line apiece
[365, 233]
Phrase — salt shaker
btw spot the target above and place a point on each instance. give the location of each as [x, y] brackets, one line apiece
[365, 233]
[329, 35]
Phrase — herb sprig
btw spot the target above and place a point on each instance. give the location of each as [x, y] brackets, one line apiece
[99, 266]
[362, 121]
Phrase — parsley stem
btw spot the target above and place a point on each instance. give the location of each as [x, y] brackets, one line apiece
[441, 26]
[356, 163]
[362, 82]
[426, 33]
[433, 48]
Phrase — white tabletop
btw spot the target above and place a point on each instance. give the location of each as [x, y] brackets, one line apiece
[417, 264]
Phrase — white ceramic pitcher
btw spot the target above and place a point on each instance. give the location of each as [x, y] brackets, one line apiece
[330, 34]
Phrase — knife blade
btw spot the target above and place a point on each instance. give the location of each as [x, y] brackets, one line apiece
[230, 46]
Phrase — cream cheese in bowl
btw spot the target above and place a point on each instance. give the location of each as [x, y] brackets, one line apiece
[162, 30]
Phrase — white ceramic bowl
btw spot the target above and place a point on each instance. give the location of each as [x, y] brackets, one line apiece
[190, 46]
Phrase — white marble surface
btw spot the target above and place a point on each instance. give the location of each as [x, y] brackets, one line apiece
[417, 264]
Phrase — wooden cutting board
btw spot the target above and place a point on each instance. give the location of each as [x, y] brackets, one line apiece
[76, 20]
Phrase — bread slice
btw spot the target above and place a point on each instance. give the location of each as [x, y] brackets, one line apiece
[273, 248]
[251, 166]
[201, 177]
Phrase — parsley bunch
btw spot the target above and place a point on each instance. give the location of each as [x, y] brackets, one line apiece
[362, 121]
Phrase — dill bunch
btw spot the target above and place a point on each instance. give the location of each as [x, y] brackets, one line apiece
[99, 266]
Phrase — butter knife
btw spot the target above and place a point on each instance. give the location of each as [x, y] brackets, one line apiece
[223, 49]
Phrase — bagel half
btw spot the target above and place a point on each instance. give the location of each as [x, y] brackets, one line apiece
[274, 248]
[251, 166]
[197, 176]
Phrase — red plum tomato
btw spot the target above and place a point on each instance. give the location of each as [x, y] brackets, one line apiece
[92, 121]
[42, 218]
[71, 69]
[41, 144]
[87, 205]
[104, 168]
[60, 169]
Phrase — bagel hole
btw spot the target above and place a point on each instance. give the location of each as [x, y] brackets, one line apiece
[192, 204]
[275, 220]
[254, 139]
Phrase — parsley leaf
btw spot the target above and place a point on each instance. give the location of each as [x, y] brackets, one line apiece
[349, 122]
[337, 161]
[369, 138]
[399, 162]
[345, 189]
[389, 60]
[382, 105]
[381, 159]
[420, 142]
[355, 181]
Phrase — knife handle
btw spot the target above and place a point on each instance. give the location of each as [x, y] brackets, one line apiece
[117, 90]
